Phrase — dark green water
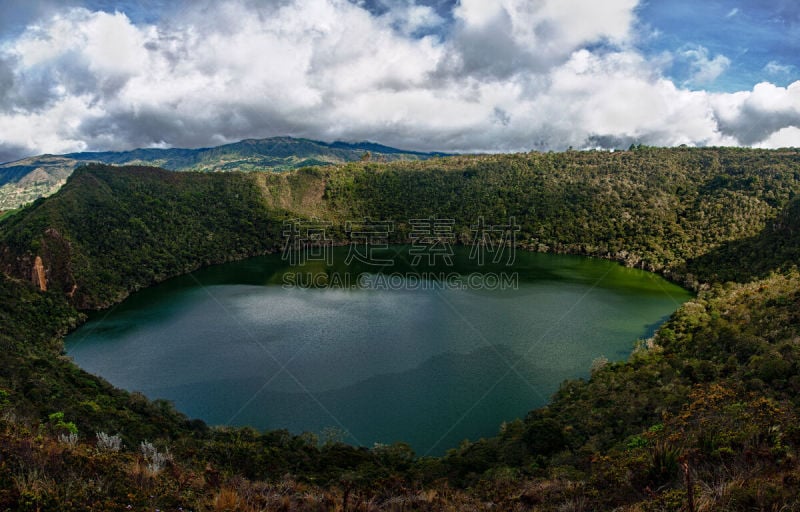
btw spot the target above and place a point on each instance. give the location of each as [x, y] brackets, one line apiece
[426, 361]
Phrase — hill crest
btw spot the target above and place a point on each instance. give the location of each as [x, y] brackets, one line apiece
[26, 180]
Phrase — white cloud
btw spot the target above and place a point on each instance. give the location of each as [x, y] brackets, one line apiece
[113, 45]
[108, 42]
[619, 97]
[511, 75]
[504, 37]
[776, 68]
[53, 130]
[754, 116]
[411, 18]
[704, 70]
[784, 138]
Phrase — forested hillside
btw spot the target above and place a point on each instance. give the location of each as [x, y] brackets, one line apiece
[114, 230]
[702, 417]
[654, 208]
[26, 180]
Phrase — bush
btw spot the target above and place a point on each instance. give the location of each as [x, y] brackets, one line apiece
[155, 460]
[107, 443]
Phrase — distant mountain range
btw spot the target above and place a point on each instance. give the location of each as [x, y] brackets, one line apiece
[28, 179]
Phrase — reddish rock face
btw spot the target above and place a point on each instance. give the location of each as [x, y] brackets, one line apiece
[38, 275]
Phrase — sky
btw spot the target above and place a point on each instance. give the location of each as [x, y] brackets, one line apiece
[429, 75]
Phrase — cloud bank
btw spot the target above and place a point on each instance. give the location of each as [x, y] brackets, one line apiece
[509, 75]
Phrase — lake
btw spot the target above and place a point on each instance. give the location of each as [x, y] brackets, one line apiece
[428, 353]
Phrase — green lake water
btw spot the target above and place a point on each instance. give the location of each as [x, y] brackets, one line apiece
[429, 355]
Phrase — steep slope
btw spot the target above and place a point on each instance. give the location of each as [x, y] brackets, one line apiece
[25, 180]
[111, 231]
[776, 247]
[702, 417]
[114, 230]
[651, 208]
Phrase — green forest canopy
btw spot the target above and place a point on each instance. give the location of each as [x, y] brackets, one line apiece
[716, 389]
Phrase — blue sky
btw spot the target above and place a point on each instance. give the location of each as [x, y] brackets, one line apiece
[752, 34]
[467, 75]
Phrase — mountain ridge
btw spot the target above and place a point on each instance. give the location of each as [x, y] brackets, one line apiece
[703, 416]
[25, 180]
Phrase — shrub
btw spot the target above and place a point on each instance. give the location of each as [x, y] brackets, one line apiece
[108, 443]
[69, 439]
[58, 423]
[155, 460]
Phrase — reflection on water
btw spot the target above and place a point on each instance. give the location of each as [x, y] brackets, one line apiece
[429, 365]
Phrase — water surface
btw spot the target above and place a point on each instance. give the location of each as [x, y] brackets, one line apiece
[395, 355]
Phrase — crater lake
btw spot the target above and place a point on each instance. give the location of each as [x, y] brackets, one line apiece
[374, 350]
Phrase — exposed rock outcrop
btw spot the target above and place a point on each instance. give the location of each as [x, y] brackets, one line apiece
[49, 268]
[38, 274]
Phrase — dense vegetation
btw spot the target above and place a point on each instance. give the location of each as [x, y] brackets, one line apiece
[702, 417]
[108, 233]
[652, 208]
[26, 180]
